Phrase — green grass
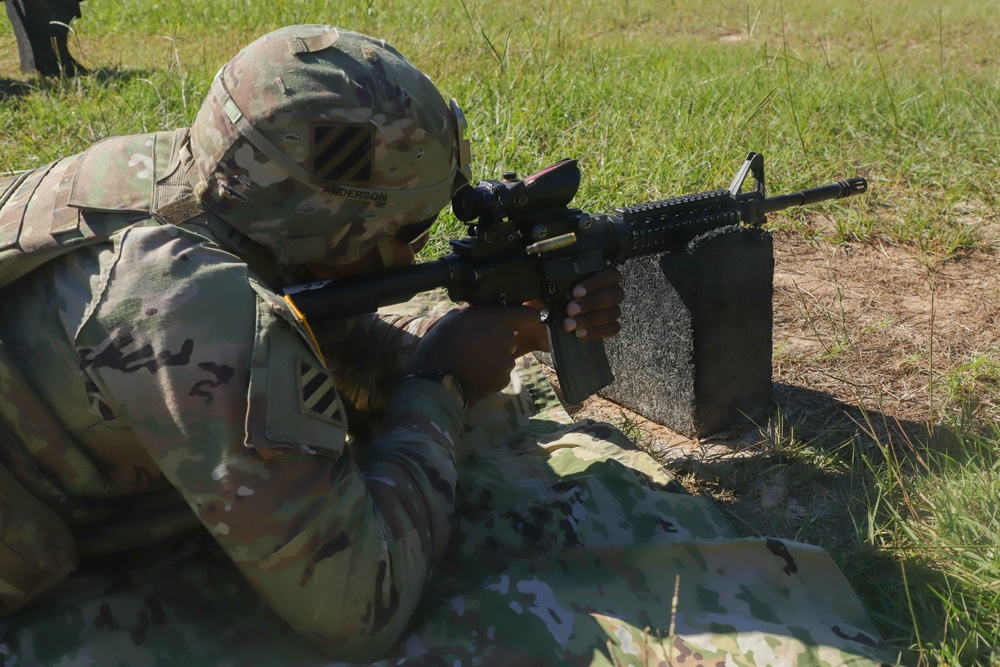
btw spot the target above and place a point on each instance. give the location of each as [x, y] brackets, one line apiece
[658, 98]
[823, 92]
[938, 512]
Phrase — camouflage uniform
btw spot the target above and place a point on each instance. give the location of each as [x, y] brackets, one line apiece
[175, 432]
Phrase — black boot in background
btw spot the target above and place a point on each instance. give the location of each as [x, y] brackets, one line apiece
[40, 43]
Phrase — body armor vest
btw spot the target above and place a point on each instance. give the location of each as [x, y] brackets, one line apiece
[86, 198]
[44, 213]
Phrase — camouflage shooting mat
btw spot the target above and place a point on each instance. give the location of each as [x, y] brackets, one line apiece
[571, 547]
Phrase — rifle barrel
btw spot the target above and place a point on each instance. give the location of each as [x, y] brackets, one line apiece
[838, 190]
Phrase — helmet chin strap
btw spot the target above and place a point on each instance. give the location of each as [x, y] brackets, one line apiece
[386, 252]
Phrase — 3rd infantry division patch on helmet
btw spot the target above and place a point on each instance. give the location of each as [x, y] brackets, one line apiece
[343, 154]
[317, 142]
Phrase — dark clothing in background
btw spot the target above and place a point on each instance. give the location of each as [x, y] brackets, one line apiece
[41, 43]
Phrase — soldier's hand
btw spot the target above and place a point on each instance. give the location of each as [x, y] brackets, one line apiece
[596, 306]
[592, 313]
[478, 345]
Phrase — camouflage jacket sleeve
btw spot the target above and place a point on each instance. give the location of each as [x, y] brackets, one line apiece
[240, 415]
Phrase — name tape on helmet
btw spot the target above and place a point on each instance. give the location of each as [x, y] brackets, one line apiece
[379, 196]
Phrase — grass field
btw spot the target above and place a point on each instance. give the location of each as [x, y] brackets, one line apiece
[658, 98]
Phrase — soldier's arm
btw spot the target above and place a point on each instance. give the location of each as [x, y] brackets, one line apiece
[369, 353]
[240, 416]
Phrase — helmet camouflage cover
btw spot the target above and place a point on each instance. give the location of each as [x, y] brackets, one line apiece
[317, 143]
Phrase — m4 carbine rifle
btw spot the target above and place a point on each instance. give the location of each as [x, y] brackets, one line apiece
[525, 244]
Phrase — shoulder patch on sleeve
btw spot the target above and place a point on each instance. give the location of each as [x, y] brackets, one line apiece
[318, 394]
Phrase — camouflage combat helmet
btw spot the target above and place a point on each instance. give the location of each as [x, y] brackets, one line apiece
[317, 143]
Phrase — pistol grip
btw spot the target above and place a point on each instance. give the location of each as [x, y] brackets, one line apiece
[581, 365]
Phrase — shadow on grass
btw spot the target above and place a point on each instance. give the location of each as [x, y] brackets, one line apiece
[809, 475]
[11, 88]
[903, 596]
[14, 88]
[822, 417]
[814, 476]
